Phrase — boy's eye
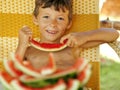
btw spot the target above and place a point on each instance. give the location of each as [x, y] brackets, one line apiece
[45, 16]
[61, 18]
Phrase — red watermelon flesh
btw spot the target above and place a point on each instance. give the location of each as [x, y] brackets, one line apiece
[5, 80]
[48, 46]
[6, 76]
[84, 75]
[11, 69]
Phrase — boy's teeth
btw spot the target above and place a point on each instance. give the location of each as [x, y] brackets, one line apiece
[52, 32]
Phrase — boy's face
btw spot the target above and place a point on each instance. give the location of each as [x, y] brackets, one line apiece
[52, 23]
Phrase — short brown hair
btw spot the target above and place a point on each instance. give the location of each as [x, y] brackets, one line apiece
[58, 4]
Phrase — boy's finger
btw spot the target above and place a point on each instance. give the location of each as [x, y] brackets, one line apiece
[30, 38]
[72, 44]
[69, 42]
[64, 38]
[26, 28]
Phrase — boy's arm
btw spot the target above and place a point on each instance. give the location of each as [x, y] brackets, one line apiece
[91, 38]
[103, 35]
[24, 36]
[21, 49]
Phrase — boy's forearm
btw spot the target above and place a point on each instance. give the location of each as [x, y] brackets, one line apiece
[103, 35]
[91, 44]
[21, 49]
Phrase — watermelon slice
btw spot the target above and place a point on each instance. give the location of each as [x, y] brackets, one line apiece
[46, 80]
[84, 76]
[42, 81]
[49, 78]
[80, 64]
[27, 68]
[73, 84]
[11, 69]
[60, 85]
[48, 46]
[5, 80]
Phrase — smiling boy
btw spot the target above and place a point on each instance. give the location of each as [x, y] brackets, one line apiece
[54, 18]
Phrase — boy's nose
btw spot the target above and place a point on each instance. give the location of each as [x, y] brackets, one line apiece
[53, 23]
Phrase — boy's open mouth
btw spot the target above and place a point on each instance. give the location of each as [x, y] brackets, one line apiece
[52, 31]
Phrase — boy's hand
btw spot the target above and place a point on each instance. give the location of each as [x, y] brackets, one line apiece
[25, 34]
[75, 39]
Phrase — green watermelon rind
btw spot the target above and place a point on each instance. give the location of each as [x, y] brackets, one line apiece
[18, 87]
[45, 80]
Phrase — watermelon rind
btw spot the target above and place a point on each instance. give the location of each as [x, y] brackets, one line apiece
[75, 85]
[16, 86]
[83, 65]
[24, 69]
[88, 74]
[5, 84]
[60, 87]
[7, 68]
[48, 80]
[31, 72]
[47, 49]
[53, 78]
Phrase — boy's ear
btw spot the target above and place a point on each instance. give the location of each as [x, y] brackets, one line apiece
[69, 25]
[35, 21]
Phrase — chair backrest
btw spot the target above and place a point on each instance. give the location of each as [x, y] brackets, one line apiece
[16, 13]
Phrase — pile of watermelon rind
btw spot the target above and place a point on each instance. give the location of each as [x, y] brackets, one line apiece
[20, 75]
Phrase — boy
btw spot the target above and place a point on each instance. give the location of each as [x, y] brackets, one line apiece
[54, 18]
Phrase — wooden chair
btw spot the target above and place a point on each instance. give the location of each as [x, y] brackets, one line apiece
[16, 13]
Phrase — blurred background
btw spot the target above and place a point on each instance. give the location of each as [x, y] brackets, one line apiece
[110, 8]
[110, 61]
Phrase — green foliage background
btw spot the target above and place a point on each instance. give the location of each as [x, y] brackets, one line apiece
[110, 75]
